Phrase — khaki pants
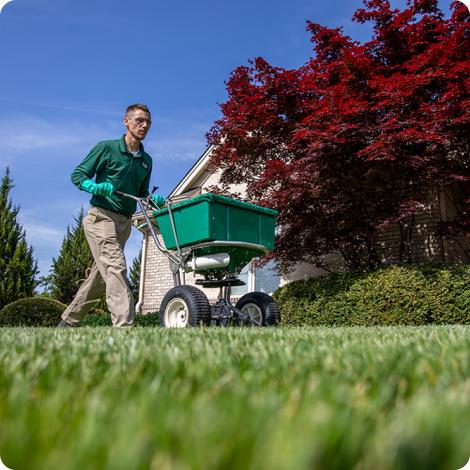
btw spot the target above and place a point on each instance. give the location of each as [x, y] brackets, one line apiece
[106, 233]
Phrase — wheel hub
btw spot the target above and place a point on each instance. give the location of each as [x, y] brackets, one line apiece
[256, 316]
[177, 314]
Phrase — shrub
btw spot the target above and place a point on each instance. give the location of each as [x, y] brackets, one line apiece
[405, 295]
[97, 319]
[151, 319]
[32, 311]
[450, 290]
[41, 311]
[97, 311]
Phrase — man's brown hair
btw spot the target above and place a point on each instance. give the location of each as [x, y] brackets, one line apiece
[135, 107]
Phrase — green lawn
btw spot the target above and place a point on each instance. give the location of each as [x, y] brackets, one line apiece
[368, 398]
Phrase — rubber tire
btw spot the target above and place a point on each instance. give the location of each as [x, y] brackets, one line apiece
[199, 307]
[270, 312]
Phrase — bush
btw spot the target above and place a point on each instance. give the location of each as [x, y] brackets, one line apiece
[405, 295]
[103, 319]
[96, 319]
[41, 311]
[151, 319]
[32, 311]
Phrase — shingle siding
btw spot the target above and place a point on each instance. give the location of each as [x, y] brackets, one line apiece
[424, 245]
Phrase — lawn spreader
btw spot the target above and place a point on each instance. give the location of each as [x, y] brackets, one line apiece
[214, 236]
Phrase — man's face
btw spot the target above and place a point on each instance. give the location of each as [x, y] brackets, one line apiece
[138, 123]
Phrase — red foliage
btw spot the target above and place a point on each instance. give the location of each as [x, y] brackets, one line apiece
[351, 140]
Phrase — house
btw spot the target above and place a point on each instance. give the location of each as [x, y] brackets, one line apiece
[156, 276]
[415, 238]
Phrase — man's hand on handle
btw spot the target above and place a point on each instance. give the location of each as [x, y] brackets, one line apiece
[99, 189]
[158, 200]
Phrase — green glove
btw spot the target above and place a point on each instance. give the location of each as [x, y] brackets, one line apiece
[158, 200]
[99, 189]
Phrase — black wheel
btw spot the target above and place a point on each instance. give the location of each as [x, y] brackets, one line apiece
[184, 306]
[261, 307]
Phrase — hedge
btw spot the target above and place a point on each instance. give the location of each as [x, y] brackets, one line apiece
[32, 311]
[105, 320]
[396, 295]
[42, 311]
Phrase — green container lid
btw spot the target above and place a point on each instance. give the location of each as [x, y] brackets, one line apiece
[210, 217]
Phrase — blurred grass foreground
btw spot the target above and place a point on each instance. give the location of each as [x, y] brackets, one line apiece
[285, 398]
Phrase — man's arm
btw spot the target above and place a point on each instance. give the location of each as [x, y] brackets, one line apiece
[89, 166]
[144, 187]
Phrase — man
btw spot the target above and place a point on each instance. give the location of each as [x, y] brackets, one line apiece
[122, 165]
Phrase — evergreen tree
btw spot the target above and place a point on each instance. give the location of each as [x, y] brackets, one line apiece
[69, 270]
[134, 276]
[18, 269]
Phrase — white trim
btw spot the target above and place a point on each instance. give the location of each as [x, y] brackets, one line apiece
[143, 266]
[251, 279]
[195, 172]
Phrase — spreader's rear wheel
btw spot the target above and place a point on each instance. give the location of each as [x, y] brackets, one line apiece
[261, 307]
[184, 306]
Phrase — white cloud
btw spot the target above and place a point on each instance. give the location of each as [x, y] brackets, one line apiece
[46, 238]
[27, 134]
[179, 148]
[63, 208]
[181, 142]
[73, 107]
[43, 235]
[46, 241]
[32, 145]
[45, 223]
[175, 142]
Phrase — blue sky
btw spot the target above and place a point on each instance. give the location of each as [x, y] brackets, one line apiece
[70, 68]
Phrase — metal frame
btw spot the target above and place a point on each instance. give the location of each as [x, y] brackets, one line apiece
[179, 257]
[223, 312]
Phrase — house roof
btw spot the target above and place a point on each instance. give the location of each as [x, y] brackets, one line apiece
[189, 180]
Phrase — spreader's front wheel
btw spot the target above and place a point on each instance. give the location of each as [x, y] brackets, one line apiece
[262, 309]
[184, 306]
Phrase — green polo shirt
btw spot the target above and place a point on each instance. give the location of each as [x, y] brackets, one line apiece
[111, 162]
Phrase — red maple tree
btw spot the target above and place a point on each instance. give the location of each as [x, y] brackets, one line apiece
[352, 140]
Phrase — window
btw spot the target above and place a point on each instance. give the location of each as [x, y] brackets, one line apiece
[238, 291]
[265, 279]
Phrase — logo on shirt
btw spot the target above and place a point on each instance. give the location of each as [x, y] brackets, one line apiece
[145, 165]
